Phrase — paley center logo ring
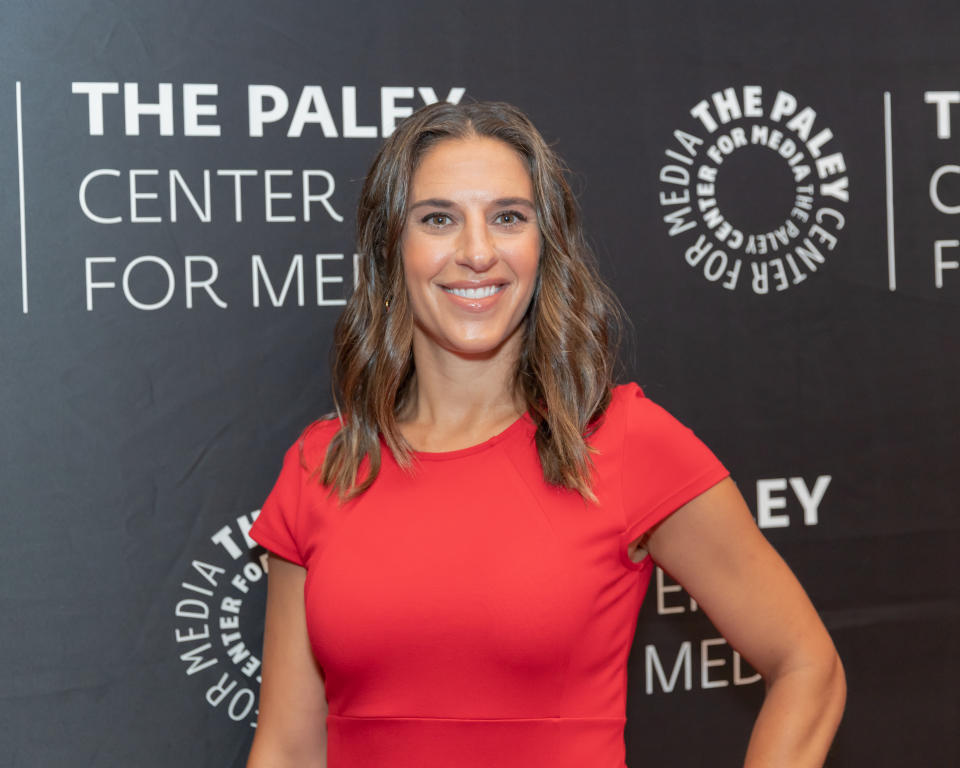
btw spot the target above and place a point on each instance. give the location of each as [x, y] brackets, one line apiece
[218, 615]
[754, 191]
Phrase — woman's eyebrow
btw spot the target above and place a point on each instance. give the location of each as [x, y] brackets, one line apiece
[432, 202]
[437, 202]
[513, 201]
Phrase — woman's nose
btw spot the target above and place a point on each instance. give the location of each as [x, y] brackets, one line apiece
[476, 248]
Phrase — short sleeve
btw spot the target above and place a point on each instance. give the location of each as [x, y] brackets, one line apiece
[665, 464]
[276, 527]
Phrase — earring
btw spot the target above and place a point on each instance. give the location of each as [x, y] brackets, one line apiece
[386, 304]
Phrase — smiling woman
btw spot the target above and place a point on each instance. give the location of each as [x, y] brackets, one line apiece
[470, 255]
[463, 197]
[470, 249]
[459, 558]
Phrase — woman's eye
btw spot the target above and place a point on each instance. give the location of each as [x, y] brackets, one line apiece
[510, 218]
[437, 219]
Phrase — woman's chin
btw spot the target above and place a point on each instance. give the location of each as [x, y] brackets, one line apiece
[473, 346]
[477, 348]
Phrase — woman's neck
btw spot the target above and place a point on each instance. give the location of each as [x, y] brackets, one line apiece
[457, 398]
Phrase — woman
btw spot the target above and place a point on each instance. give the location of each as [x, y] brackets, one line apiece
[459, 556]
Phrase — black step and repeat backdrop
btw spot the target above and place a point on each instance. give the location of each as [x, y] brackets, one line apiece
[772, 188]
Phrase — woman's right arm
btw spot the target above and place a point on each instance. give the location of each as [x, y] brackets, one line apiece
[292, 722]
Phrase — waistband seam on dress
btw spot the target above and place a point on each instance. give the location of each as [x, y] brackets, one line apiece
[479, 719]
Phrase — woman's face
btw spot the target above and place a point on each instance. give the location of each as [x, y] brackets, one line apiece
[470, 245]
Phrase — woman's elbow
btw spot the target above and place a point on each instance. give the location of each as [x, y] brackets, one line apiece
[836, 685]
[816, 676]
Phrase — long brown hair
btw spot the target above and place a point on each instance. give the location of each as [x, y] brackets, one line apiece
[571, 329]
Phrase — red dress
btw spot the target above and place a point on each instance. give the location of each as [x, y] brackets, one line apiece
[471, 615]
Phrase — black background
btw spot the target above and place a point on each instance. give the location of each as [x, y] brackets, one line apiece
[130, 437]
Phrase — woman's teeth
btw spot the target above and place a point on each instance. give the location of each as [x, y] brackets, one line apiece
[474, 293]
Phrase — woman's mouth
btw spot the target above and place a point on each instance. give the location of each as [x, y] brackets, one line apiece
[475, 293]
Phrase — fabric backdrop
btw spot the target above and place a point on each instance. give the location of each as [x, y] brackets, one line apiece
[773, 190]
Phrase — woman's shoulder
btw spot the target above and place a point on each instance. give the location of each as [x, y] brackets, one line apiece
[651, 430]
[315, 438]
[626, 391]
[622, 400]
[639, 417]
[629, 404]
[608, 429]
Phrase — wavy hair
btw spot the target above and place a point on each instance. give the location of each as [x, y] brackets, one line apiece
[571, 328]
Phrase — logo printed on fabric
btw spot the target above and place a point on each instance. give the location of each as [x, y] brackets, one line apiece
[708, 663]
[755, 190]
[219, 620]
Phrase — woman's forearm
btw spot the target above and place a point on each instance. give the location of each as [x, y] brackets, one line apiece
[799, 717]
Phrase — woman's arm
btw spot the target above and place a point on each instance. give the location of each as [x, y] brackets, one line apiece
[713, 548]
[291, 726]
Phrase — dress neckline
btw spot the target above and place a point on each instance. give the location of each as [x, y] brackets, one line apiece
[457, 453]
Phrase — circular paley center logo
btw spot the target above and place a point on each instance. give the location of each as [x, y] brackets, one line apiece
[755, 191]
[218, 615]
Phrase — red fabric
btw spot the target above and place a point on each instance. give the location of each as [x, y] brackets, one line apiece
[472, 615]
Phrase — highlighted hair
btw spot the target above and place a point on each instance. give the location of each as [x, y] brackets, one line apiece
[571, 329]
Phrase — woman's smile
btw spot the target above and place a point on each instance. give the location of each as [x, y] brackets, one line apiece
[471, 245]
